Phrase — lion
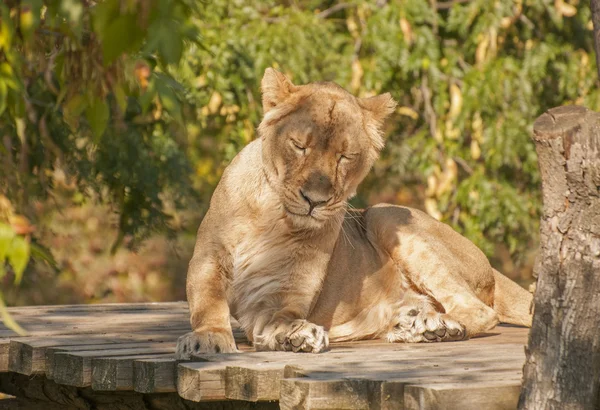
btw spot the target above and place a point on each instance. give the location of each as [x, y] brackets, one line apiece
[281, 251]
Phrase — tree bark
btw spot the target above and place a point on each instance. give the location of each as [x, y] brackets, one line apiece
[562, 370]
[595, 6]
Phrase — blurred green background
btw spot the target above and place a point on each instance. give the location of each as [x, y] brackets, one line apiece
[117, 118]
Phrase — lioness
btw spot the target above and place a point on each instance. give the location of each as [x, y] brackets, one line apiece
[281, 252]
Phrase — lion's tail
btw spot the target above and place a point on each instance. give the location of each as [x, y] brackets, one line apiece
[512, 303]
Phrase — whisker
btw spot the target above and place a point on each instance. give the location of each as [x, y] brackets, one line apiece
[347, 237]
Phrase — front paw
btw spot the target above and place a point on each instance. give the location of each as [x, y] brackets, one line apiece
[297, 336]
[196, 343]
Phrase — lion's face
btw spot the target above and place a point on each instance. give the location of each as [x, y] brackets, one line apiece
[319, 142]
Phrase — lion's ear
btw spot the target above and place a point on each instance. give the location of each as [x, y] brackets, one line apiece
[276, 88]
[378, 107]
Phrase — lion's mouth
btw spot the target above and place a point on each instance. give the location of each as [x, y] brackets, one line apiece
[306, 214]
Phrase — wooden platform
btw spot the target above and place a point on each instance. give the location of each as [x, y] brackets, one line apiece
[121, 356]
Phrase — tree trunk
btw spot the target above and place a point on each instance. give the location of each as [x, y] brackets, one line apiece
[562, 370]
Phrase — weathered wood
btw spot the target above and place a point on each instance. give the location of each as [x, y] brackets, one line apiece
[75, 368]
[259, 382]
[117, 373]
[201, 383]
[330, 394]
[38, 389]
[328, 391]
[100, 367]
[563, 357]
[28, 355]
[498, 395]
[157, 375]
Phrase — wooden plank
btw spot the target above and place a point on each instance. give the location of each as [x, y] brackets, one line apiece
[327, 391]
[330, 394]
[117, 373]
[75, 368]
[495, 395]
[4, 356]
[100, 324]
[259, 382]
[99, 349]
[28, 355]
[99, 307]
[200, 382]
[156, 375]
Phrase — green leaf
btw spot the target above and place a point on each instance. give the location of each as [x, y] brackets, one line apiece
[165, 37]
[18, 256]
[6, 236]
[147, 97]
[6, 29]
[40, 252]
[121, 97]
[169, 99]
[97, 115]
[8, 320]
[120, 36]
[72, 109]
[3, 96]
[29, 19]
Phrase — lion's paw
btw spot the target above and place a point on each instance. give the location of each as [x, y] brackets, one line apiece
[426, 325]
[297, 336]
[194, 344]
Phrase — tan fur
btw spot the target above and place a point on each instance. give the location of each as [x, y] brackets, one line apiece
[280, 251]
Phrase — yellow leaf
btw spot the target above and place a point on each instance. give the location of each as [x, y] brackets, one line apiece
[406, 31]
[215, 102]
[564, 9]
[357, 74]
[477, 127]
[409, 112]
[431, 186]
[456, 101]
[432, 208]
[446, 181]
[475, 150]
[481, 50]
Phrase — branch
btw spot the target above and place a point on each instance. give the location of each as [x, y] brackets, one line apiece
[328, 12]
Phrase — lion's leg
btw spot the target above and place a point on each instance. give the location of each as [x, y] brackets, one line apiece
[209, 312]
[434, 268]
[286, 327]
[431, 275]
[418, 320]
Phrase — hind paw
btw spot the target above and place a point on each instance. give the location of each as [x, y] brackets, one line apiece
[426, 325]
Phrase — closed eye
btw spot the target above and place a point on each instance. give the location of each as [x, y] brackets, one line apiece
[346, 157]
[299, 147]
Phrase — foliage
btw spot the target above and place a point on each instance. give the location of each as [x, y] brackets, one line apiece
[14, 250]
[85, 90]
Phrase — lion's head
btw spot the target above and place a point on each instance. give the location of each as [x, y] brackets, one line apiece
[318, 142]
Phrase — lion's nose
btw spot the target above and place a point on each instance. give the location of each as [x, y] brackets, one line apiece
[314, 199]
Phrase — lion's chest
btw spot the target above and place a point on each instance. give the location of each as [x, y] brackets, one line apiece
[261, 263]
